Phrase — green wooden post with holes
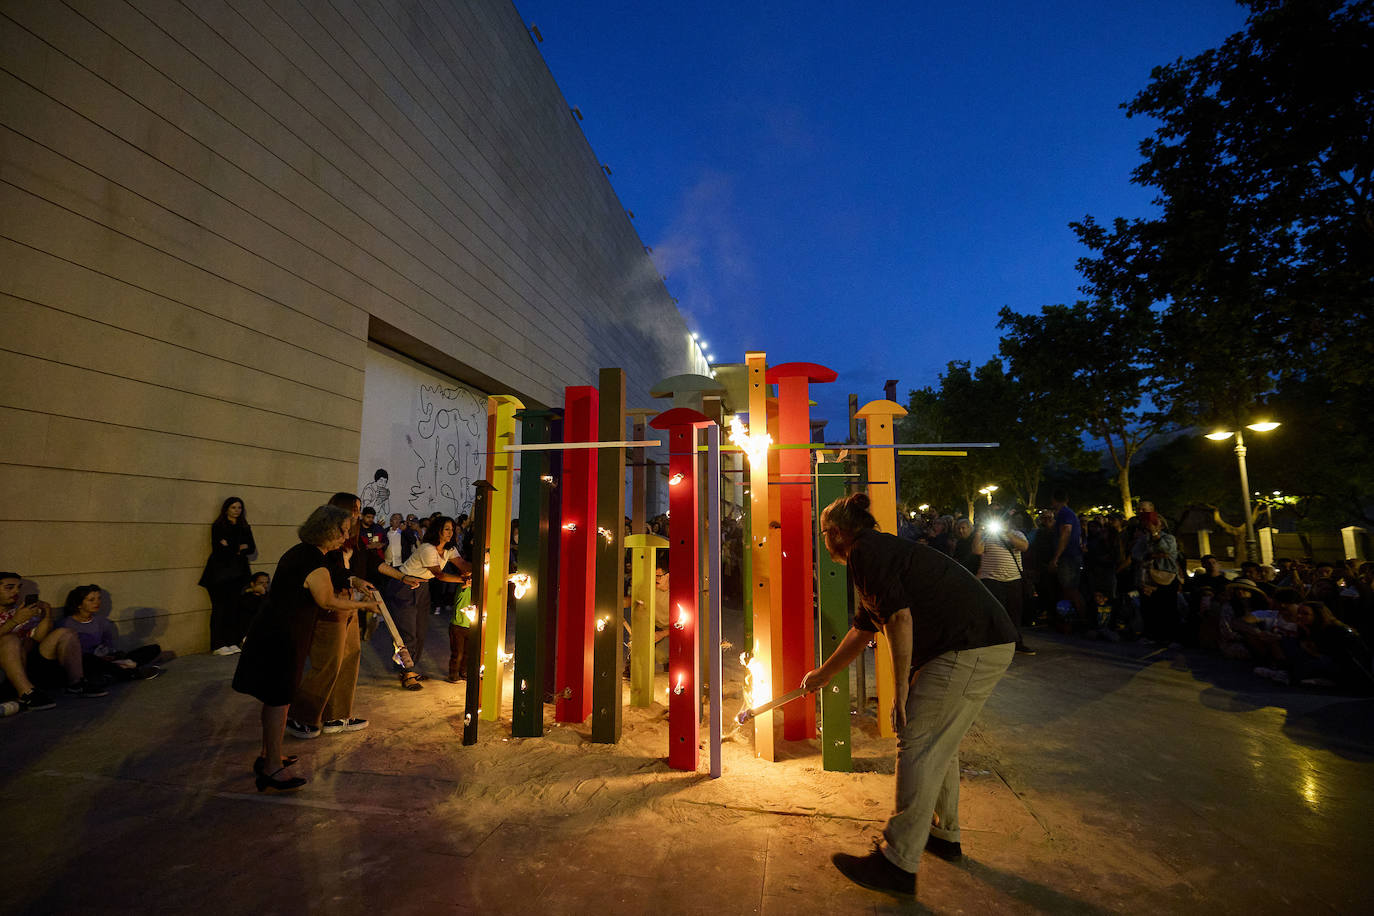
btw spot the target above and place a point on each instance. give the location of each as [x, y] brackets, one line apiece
[607, 641]
[833, 598]
[533, 597]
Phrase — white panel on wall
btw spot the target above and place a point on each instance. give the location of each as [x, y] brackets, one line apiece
[426, 431]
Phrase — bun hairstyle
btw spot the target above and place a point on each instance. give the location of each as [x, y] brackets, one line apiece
[849, 515]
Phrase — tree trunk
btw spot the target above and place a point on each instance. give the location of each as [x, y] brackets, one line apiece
[969, 503]
[1237, 533]
[1123, 481]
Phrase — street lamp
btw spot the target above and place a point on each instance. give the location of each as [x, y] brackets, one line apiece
[988, 491]
[1251, 541]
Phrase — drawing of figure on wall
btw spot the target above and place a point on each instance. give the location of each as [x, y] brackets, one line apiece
[377, 495]
[448, 439]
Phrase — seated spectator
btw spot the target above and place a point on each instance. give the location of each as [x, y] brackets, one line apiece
[1324, 652]
[253, 598]
[1210, 576]
[1261, 577]
[32, 649]
[99, 657]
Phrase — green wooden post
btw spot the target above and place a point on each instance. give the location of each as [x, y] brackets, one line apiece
[607, 657]
[532, 597]
[833, 597]
[644, 548]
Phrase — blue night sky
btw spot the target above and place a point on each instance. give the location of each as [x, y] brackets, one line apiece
[864, 187]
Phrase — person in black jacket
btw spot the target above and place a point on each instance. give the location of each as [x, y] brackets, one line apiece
[226, 573]
[951, 642]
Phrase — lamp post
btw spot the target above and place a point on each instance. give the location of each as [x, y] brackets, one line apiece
[1251, 540]
[988, 491]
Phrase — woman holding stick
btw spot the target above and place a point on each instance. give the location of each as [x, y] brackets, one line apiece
[951, 642]
[279, 637]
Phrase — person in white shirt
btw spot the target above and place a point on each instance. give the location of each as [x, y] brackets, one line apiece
[410, 607]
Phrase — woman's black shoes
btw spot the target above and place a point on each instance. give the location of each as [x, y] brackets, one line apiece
[266, 781]
[260, 763]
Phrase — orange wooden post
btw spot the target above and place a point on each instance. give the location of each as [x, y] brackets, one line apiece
[761, 663]
[796, 615]
[882, 493]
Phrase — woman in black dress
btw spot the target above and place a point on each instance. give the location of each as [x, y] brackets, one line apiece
[279, 637]
[226, 573]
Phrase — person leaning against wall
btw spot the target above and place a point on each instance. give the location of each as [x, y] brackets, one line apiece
[226, 572]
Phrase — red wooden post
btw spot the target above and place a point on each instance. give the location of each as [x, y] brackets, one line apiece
[794, 496]
[577, 559]
[684, 658]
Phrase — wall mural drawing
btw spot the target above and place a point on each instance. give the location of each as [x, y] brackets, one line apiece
[423, 439]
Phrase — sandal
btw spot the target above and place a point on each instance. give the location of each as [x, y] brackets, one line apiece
[410, 680]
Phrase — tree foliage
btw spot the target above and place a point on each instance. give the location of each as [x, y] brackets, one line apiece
[979, 405]
[1088, 366]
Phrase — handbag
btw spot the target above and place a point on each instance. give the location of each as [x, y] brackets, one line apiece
[1161, 577]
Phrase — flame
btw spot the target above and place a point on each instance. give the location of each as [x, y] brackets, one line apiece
[754, 446]
[601, 623]
[504, 658]
[606, 534]
[682, 617]
[570, 526]
[470, 612]
[681, 678]
[547, 478]
[522, 583]
[675, 480]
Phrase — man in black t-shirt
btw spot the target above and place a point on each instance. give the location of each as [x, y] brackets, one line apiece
[951, 642]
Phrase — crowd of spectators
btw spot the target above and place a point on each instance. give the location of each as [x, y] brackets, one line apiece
[1107, 577]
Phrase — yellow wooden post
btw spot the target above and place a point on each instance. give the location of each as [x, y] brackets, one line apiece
[644, 547]
[501, 410]
[882, 494]
[761, 664]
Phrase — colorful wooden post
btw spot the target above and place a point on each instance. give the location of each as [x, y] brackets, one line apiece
[761, 662]
[501, 410]
[796, 618]
[833, 597]
[608, 658]
[532, 598]
[577, 559]
[639, 517]
[550, 594]
[644, 548]
[882, 493]
[714, 692]
[472, 710]
[684, 676]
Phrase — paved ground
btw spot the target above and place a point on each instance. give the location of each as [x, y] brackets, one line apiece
[1100, 778]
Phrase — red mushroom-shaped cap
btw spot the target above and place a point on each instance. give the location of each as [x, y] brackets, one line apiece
[680, 416]
[812, 372]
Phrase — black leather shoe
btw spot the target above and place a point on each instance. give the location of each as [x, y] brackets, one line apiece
[875, 872]
[267, 781]
[945, 849]
[260, 763]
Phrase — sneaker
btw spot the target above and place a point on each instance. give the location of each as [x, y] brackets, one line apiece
[1023, 649]
[84, 688]
[36, 699]
[301, 730]
[948, 850]
[145, 673]
[352, 724]
[1318, 682]
[225, 650]
[1280, 677]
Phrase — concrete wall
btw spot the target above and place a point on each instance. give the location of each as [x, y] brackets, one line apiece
[208, 207]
